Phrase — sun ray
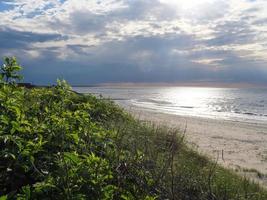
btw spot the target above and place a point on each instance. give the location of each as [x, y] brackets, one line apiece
[186, 4]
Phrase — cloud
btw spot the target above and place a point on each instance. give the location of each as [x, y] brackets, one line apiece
[93, 41]
[10, 38]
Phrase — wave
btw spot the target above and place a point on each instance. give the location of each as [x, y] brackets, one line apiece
[249, 113]
[189, 107]
[154, 101]
[163, 104]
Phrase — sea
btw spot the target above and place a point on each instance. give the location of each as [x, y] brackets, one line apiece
[235, 104]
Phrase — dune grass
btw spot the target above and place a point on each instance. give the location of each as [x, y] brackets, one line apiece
[56, 144]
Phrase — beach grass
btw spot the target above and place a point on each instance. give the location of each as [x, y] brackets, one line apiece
[57, 144]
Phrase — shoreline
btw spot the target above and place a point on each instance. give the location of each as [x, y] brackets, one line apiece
[241, 146]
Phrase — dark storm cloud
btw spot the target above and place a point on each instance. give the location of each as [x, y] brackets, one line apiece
[84, 22]
[119, 62]
[232, 32]
[140, 10]
[123, 65]
[10, 38]
[81, 22]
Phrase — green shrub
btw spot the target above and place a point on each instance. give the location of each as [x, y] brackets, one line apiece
[56, 144]
[10, 70]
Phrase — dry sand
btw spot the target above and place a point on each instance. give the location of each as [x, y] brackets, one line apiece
[236, 145]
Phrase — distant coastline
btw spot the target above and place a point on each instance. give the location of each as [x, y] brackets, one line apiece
[180, 84]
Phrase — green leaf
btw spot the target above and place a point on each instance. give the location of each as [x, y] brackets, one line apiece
[3, 197]
[26, 193]
[4, 119]
[75, 137]
[150, 198]
[72, 156]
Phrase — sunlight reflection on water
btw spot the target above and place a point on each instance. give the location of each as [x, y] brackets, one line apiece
[227, 103]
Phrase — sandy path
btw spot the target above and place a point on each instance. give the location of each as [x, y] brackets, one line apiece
[244, 145]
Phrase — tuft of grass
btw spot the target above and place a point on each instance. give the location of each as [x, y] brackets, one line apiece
[254, 171]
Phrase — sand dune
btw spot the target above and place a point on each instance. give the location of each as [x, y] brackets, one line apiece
[236, 145]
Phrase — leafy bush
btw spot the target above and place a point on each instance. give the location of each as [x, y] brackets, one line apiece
[56, 144]
[10, 69]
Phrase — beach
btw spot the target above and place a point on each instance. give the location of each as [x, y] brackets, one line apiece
[241, 146]
[228, 125]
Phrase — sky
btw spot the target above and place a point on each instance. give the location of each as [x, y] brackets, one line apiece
[137, 41]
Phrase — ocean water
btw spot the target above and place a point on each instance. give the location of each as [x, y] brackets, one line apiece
[237, 104]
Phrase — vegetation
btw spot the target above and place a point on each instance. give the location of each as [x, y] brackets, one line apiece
[56, 144]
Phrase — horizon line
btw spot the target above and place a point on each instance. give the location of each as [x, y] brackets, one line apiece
[177, 84]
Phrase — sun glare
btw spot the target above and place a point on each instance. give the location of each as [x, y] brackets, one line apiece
[186, 4]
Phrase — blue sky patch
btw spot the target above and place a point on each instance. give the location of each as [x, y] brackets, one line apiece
[5, 6]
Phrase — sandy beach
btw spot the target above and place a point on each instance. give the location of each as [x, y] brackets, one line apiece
[236, 145]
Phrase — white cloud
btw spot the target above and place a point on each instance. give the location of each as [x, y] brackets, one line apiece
[203, 32]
